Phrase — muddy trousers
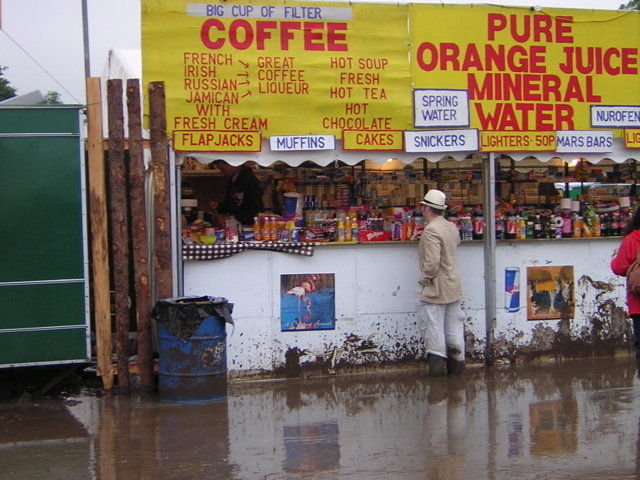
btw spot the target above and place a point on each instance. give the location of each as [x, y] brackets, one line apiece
[442, 326]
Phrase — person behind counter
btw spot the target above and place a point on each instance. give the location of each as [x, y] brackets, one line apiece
[440, 316]
[620, 265]
[244, 195]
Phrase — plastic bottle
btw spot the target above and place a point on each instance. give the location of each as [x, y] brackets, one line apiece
[615, 225]
[351, 215]
[467, 228]
[418, 221]
[478, 227]
[499, 227]
[257, 230]
[341, 230]
[597, 226]
[348, 233]
[511, 225]
[606, 226]
[410, 227]
[529, 230]
[538, 232]
[521, 229]
[355, 231]
[567, 224]
[577, 228]
[273, 230]
[363, 218]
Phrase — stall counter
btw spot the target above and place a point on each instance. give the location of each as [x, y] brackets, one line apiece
[374, 293]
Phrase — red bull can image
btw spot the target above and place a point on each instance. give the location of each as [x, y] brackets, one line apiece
[512, 289]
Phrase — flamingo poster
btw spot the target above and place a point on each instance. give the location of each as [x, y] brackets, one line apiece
[550, 292]
[308, 302]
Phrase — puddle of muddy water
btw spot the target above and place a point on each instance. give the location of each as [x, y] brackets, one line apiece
[574, 420]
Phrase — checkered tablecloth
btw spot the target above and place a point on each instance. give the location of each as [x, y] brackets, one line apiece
[224, 250]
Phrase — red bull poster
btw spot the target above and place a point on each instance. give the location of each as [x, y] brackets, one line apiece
[550, 293]
[307, 302]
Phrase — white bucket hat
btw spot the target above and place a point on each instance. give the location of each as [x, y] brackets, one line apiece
[435, 199]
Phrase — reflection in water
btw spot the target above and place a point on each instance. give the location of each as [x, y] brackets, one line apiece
[311, 448]
[553, 427]
[577, 420]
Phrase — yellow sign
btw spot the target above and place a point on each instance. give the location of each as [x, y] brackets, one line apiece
[372, 140]
[527, 70]
[632, 138]
[216, 141]
[279, 68]
[299, 68]
[517, 141]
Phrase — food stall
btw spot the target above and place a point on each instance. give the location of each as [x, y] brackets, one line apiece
[362, 125]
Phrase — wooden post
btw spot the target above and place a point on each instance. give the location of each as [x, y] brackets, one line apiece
[119, 231]
[160, 160]
[140, 240]
[99, 233]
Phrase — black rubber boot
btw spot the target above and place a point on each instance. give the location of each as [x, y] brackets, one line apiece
[455, 367]
[638, 366]
[436, 366]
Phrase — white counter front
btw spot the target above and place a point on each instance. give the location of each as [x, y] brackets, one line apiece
[375, 304]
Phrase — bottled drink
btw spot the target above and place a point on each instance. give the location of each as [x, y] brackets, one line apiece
[363, 218]
[410, 227]
[418, 221]
[348, 233]
[290, 226]
[529, 230]
[266, 230]
[567, 224]
[466, 228]
[341, 236]
[499, 227]
[257, 229]
[355, 232]
[596, 226]
[511, 226]
[521, 229]
[614, 225]
[606, 226]
[622, 222]
[577, 228]
[478, 227]
[538, 232]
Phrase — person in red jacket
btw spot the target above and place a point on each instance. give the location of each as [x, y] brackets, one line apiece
[620, 265]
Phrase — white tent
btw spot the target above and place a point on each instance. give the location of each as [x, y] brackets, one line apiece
[121, 64]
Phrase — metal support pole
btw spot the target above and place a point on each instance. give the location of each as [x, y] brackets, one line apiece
[85, 37]
[489, 202]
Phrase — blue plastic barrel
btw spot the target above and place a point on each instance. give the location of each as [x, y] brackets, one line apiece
[195, 370]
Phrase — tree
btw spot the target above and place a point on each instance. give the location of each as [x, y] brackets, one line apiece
[6, 90]
[52, 98]
[631, 5]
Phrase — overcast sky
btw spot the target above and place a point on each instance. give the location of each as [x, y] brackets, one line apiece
[41, 41]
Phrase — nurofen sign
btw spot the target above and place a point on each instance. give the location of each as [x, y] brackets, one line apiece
[300, 69]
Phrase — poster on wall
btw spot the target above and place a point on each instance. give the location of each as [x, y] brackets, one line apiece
[307, 302]
[550, 292]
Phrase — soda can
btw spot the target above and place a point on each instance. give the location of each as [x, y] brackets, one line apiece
[512, 289]
[283, 235]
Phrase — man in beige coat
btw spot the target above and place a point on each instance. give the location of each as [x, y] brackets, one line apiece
[440, 317]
